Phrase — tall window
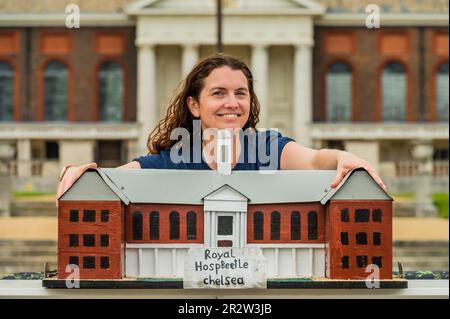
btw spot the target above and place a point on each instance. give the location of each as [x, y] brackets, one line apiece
[56, 91]
[6, 91]
[339, 93]
[191, 224]
[394, 86]
[174, 220]
[312, 226]
[442, 93]
[258, 226]
[295, 226]
[154, 225]
[137, 226]
[111, 92]
[275, 225]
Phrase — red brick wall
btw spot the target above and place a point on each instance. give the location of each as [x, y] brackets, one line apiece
[367, 51]
[164, 225]
[336, 250]
[285, 228]
[114, 228]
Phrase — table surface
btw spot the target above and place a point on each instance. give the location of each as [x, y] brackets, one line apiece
[32, 289]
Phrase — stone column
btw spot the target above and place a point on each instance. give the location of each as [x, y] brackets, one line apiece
[423, 152]
[302, 117]
[76, 152]
[368, 150]
[260, 70]
[189, 58]
[147, 115]
[24, 158]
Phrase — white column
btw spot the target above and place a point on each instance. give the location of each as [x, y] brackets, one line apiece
[303, 94]
[189, 58]
[23, 158]
[260, 70]
[147, 114]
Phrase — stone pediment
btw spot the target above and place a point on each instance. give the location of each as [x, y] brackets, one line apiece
[266, 5]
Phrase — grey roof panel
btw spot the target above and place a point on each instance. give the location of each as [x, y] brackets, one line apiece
[191, 186]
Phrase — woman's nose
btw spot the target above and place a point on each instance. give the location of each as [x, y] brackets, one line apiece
[232, 101]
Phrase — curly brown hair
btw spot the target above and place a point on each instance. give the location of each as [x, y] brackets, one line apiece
[178, 114]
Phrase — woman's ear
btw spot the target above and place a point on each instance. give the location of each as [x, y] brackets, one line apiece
[193, 106]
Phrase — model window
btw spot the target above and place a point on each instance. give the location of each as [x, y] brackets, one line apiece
[174, 219]
[6, 92]
[394, 92]
[376, 215]
[73, 240]
[275, 225]
[104, 216]
[104, 262]
[104, 240]
[295, 226]
[361, 239]
[154, 225]
[111, 92]
[56, 88]
[345, 262]
[73, 215]
[376, 260]
[225, 225]
[258, 226]
[191, 225]
[361, 261]
[137, 226]
[312, 226]
[89, 262]
[377, 239]
[89, 240]
[339, 93]
[442, 93]
[344, 238]
[89, 216]
[345, 215]
[362, 215]
[73, 260]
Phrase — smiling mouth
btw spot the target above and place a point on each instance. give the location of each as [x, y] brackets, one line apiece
[229, 116]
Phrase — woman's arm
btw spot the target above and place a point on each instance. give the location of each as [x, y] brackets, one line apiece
[296, 156]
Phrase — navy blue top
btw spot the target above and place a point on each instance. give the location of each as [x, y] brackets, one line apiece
[261, 151]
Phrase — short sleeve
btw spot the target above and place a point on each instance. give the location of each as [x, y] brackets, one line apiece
[151, 161]
[274, 144]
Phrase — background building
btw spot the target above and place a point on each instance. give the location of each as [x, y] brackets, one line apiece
[323, 77]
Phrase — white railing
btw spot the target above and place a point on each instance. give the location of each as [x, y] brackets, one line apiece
[411, 168]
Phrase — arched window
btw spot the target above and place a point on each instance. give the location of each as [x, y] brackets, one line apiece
[174, 220]
[339, 93]
[258, 226]
[191, 225]
[56, 91]
[137, 226]
[154, 225]
[6, 92]
[394, 86]
[442, 93]
[111, 92]
[295, 226]
[312, 226]
[275, 225]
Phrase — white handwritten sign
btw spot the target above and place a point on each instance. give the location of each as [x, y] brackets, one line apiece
[225, 268]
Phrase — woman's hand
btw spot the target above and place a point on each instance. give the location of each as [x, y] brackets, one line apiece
[347, 162]
[70, 177]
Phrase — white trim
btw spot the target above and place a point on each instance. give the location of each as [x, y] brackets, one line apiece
[57, 19]
[311, 261]
[294, 260]
[387, 19]
[156, 257]
[288, 245]
[33, 289]
[140, 262]
[226, 12]
[162, 246]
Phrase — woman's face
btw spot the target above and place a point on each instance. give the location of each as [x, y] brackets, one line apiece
[224, 101]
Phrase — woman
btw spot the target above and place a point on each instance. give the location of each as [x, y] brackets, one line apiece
[219, 93]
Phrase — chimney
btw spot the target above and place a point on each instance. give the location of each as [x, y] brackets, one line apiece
[224, 152]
